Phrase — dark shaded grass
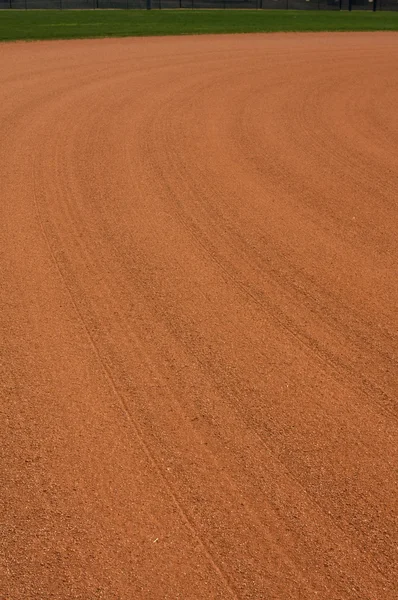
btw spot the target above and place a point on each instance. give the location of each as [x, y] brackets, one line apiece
[55, 24]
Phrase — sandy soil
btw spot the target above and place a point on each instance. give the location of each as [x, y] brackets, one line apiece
[198, 324]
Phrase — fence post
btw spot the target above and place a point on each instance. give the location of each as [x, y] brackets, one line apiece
[148, 4]
[374, 5]
[350, 5]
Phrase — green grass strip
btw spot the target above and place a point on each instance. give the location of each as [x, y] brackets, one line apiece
[56, 24]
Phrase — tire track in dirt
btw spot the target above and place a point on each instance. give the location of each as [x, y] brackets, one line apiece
[199, 324]
[136, 429]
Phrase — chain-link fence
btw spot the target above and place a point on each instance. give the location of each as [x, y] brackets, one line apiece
[200, 4]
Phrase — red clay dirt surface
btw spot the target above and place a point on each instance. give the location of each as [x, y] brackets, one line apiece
[198, 330]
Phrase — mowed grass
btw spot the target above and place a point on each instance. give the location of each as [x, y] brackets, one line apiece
[56, 24]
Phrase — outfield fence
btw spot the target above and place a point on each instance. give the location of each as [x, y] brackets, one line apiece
[371, 5]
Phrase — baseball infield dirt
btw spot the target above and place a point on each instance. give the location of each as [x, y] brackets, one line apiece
[198, 322]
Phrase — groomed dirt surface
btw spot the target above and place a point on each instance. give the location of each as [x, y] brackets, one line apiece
[199, 319]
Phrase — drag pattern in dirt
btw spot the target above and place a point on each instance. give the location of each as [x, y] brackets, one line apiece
[198, 317]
